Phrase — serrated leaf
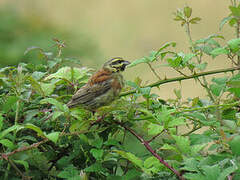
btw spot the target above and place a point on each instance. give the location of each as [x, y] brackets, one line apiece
[176, 122]
[151, 161]
[70, 74]
[47, 88]
[183, 143]
[53, 136]
[154, 129]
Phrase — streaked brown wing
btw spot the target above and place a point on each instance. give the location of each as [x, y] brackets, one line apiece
[87, 94]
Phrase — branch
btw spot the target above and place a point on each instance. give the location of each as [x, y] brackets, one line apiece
[25, 148]
[158, 83]
[150, 149]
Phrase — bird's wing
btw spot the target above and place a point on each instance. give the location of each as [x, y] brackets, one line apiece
[88, 93]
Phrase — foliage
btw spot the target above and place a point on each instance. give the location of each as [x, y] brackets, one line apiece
[139, 136]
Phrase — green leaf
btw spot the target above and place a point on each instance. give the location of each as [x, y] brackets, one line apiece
[219, 51]
[169, 147]
[234, 44]
[36, 86]
[98, 142]
[234, 145]
[9, 144]
[38, 75]
[131, 157]
[227, 171]
[24, 163]
[10, 129]
[164, 46]
[1, 121]
[176, 122]
[56, 103]
[151, 161]
[233, 83]
[235, 10]
[235, 91]
[53, 136]
[70, 74]
[69, 172]
[183, 143]
[96, 167]
[190, 164]
[187, 11]
[154, 129]
[211, 172]
[34, 128]
[9, 104]
[195, 20]
[47, 88]
[97, 153]
[56, 114]
[217, 89]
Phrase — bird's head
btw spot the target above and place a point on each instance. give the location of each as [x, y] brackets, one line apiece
[116, 64]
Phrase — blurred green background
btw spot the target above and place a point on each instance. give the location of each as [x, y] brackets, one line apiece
[95, 31]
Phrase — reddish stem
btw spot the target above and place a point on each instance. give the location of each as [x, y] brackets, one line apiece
[150, 149]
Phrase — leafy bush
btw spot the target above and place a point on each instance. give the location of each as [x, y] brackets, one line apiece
[139, 136]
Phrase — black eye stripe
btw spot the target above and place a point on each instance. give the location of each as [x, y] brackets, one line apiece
[116, 62]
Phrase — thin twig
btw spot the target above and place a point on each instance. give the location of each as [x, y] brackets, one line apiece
[150, 149]
[154, 137]
[153, 70]
[25, 148]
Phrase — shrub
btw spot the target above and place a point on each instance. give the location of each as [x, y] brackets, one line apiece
[139, 135]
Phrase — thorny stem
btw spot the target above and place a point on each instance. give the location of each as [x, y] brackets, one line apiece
[150, 149]
[158, 83]
[195, 109]
[204, 84]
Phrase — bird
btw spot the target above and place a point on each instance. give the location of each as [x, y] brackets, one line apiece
[102, 88]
